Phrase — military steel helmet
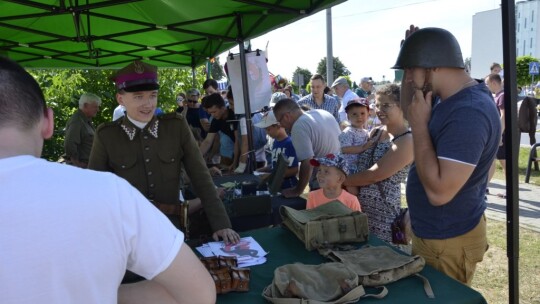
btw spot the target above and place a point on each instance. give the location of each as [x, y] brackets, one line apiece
[430, 48]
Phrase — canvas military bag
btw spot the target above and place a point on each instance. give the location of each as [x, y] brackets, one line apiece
[330, 223]
[380, 265]
[330, 283]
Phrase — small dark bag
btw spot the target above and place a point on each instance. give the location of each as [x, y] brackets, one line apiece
[401, 227]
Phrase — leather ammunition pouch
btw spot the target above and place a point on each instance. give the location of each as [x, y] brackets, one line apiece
[226, 275]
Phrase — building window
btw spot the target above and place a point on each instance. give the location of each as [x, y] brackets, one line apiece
[518, 28]
[531, 43]
[532, 16]
[525, 24]
[523, 48]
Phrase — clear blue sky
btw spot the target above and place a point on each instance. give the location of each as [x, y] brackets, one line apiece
[366, 34]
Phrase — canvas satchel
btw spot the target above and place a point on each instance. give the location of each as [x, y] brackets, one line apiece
[330, 283]
[380, 265]
[330, 223]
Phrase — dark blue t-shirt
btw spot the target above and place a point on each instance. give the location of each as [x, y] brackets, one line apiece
[464, 128]
[286, 148]
[227, 126]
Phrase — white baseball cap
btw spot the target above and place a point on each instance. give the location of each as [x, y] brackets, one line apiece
[269, 119]
[277, 96]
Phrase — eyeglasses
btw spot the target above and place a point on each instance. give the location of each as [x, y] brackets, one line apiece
[385, 106]
[180, 99]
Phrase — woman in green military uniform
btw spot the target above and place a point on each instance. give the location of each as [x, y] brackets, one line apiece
[149, 151]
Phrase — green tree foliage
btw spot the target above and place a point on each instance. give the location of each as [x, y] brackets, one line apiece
[522, 70]
[339, 68]
[217, 69]
[63, 87]
[304, 72]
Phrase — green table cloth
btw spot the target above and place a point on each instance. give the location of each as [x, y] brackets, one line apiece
[285, 248]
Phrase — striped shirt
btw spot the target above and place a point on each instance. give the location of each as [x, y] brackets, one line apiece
[329, 104]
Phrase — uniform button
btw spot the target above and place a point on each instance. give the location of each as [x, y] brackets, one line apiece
[150, 196]
[145, 137]
[149, 172]
[172, 159]
[151, 185]
[147, 148]
[147, 160]
[123, 166]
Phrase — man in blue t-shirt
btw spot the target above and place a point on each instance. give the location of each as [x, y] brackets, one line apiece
[455, 142]
[282, 146]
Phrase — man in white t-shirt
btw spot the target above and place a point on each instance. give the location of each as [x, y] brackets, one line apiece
[68, 235]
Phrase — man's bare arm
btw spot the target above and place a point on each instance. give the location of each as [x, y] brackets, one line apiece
[303, 179]
[184, 281]
[441, 178]
[207, 143]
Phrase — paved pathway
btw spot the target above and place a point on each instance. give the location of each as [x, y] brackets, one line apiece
[529, 204]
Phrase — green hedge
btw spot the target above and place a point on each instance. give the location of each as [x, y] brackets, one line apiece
[63, 87]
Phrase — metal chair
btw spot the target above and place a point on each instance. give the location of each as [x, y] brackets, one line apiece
[533, 158]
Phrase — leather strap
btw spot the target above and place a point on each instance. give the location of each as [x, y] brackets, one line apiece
[427, 286]
[352, 296]
[176, 209]
[168, 209]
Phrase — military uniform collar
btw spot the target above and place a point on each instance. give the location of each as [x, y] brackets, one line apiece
[131, 129]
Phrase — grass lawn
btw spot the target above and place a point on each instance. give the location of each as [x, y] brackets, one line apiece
[522, 167]
[491, 278]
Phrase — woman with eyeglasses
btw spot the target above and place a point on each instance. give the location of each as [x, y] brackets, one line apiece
[384, 166]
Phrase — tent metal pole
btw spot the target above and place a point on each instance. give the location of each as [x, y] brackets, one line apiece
[512, 147]
[193, 76]
[193, 71]
[243, 71]
[329, 53]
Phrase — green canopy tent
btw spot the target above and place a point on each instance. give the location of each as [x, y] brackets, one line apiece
[165, 33]
[111, 33]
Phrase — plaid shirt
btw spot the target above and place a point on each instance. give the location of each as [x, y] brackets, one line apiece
[329, 104]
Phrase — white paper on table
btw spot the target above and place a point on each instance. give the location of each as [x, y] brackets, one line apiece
[252, 263]
[257, 173]
[247, 251]
[205, 250]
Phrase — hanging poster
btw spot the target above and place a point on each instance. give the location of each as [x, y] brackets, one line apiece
[258, 80]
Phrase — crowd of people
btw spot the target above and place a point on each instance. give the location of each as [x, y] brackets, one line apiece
[439, 132]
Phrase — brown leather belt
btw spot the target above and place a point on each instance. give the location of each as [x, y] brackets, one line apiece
[168, 209]
[177, 209]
